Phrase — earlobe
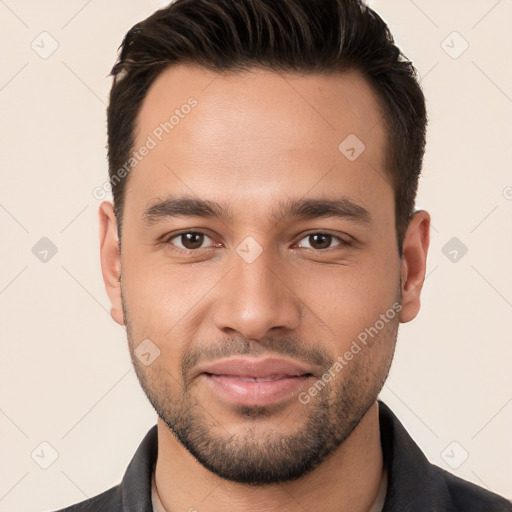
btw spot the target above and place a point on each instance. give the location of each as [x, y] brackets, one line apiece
[111, 259]
[414, 264]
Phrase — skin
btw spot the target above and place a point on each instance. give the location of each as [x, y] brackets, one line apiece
[256, 139]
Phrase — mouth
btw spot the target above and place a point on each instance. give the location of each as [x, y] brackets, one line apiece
[256, 382]
[253, 379]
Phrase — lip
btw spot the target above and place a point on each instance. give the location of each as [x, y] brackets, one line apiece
[255, 381]
[261, 368]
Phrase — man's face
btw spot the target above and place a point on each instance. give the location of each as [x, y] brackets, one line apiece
[218, 295]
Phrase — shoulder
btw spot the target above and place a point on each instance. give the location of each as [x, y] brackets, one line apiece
[415, 484]
[469, 497]
[108, 501]
[134, 491]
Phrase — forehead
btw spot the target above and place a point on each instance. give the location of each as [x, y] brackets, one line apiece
[257, 134]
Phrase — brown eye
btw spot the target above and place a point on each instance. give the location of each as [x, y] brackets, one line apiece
[192, 240]
[320, 241]
[188, 241]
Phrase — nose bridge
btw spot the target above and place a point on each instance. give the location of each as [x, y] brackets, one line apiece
[255, 297]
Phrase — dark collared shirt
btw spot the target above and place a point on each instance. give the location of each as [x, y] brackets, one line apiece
[414, 485]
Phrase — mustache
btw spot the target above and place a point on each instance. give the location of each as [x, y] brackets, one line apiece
[236, 346]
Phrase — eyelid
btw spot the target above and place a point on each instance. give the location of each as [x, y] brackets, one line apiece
[343, 242]
[166, 240]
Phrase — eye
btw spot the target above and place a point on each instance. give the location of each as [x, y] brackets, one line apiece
[188, 241]
[322, 241]
[196, 240]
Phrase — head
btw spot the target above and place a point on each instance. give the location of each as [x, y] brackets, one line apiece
[264, 159]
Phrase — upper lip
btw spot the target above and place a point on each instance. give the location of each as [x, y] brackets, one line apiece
[269, 367]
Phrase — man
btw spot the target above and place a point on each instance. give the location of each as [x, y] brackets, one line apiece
[261, 250]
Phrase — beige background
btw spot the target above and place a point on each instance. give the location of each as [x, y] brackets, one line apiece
[66, 377]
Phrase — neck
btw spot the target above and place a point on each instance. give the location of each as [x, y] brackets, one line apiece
[348, 480]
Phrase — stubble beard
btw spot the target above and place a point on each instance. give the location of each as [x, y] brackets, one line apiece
[262, 451]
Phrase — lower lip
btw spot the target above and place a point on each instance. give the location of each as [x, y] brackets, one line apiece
[255, 393]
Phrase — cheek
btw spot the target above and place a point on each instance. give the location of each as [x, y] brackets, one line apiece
[166, 301]
[350, 299]
[162, 298]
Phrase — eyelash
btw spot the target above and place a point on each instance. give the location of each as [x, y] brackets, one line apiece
[342, 242]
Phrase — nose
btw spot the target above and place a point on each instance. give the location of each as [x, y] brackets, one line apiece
[257, 297]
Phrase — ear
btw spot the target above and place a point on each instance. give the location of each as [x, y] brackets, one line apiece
[111, 259]
[414, 264]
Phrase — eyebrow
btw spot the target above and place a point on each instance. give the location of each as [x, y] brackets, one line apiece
[298, 208]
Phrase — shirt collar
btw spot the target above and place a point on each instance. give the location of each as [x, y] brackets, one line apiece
[410, 477]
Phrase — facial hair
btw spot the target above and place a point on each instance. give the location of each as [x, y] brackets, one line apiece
[252, 455]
